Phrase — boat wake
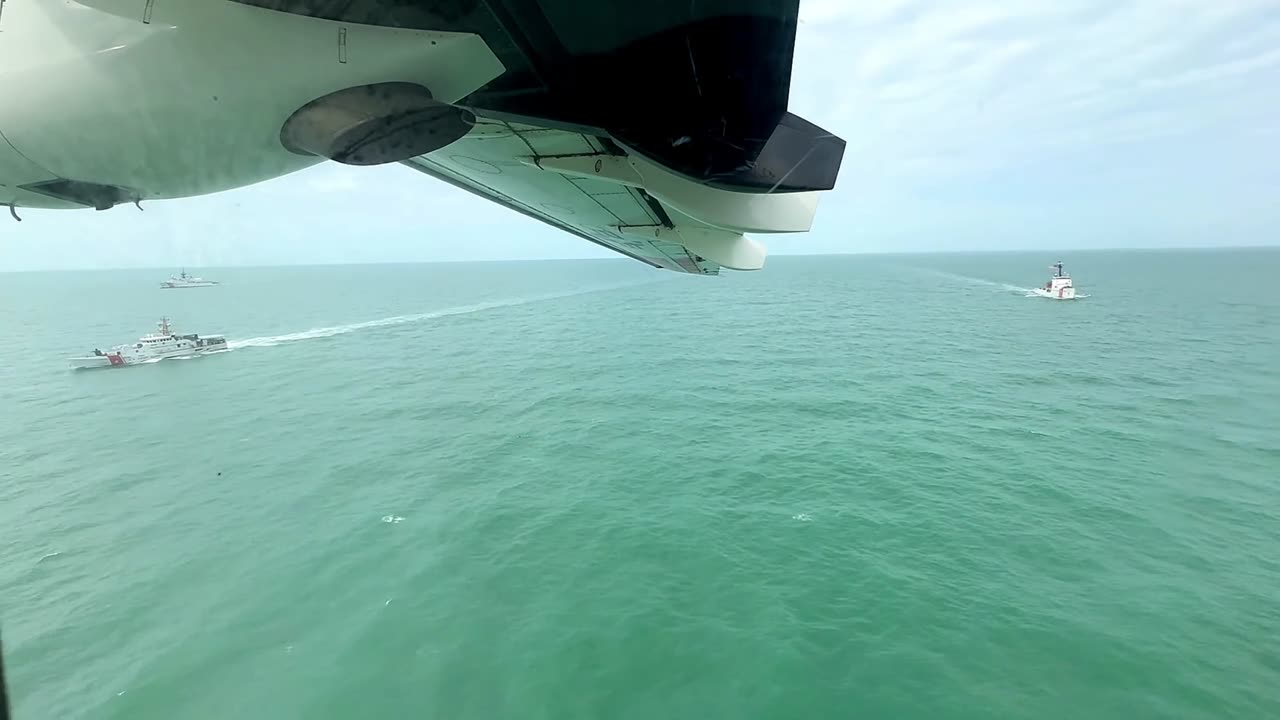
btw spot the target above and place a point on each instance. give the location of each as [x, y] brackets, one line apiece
[325, 332]
[1004, 287]
[1014, 288]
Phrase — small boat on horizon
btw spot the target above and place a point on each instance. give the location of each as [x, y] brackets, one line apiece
[1059, 287]
[184, 280]
[154, 346]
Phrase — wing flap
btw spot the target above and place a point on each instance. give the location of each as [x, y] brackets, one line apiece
[494, 161]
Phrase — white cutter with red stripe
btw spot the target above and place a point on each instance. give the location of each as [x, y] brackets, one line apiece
[163, 343]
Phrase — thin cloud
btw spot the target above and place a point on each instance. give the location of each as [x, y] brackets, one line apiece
[332, 178]
[997, 77]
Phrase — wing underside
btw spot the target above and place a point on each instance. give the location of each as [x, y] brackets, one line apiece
[658, 129]
[498, 160]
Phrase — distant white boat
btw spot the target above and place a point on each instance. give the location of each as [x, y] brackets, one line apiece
[186, 281]
[155, 346]
[1059, 286]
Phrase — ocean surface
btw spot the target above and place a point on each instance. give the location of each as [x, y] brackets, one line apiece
[856, 486]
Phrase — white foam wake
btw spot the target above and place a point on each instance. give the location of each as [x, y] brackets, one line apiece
[1006, 287]
[324, 332]
[1015, 288]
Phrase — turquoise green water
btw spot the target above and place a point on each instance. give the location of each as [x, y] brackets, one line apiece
[886, 487]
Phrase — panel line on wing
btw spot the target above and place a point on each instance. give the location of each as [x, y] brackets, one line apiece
[588, 206]
[476, 187]
[596, 200]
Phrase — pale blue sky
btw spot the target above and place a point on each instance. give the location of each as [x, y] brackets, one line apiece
[971, 126]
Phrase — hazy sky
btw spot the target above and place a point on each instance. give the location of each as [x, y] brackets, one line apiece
[971, 125]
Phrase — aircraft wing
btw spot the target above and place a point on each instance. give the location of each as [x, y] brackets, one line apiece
[498, 161]
[658, 129]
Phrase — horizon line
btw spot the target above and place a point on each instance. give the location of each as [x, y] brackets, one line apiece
[876, 253]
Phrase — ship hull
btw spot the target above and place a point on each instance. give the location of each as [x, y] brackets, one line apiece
[91, 362]
[1059, 294]
[111, 359]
